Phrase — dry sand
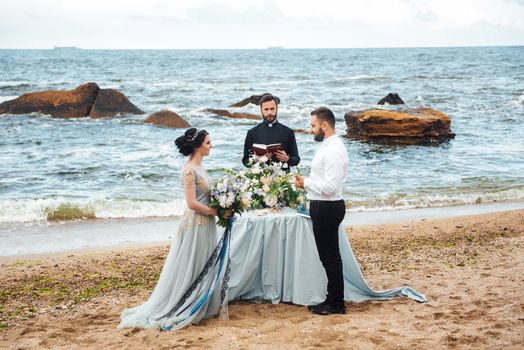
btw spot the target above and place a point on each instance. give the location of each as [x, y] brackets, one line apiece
[470, 268]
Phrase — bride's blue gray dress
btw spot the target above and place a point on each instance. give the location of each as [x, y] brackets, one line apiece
[191, 286]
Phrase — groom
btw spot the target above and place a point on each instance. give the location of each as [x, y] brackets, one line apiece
[329, 169]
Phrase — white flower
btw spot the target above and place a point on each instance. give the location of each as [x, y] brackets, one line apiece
[246, 202]
[266, 180]
[229, 201]
[256, 170]
[265, 188]
[270, 201]
[222, 201]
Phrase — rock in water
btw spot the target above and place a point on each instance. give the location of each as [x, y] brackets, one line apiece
[391, 99]
[111, 102]
[236, 115]
[85, 100]
[168, 119]
[255, 99]
[412, 126]
[74, 103]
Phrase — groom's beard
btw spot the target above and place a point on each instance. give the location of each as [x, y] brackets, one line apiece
[320, 136]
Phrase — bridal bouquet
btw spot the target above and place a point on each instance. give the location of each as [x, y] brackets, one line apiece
[225, 195]
[264, 185]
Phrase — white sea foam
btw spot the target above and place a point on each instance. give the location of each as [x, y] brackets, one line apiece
[7, 98]
[394, 202]
[367, 77]
[34, 210]
[521, 99]
[14, 83]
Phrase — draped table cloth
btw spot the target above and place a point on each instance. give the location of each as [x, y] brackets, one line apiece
[274, 257]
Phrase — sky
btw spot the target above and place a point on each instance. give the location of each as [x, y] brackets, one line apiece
[249, 24]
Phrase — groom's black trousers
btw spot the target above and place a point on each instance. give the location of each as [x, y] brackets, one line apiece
[327, 217]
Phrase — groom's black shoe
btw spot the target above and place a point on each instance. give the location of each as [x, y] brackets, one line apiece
[310, 307]
[328, 309]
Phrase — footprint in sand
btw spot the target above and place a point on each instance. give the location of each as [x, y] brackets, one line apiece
[438, 315]
[69, 330]
[297, 320]
[26, 331]
[132, 332]
[377, 340]
[493, 334]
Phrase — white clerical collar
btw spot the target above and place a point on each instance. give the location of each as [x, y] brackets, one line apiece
[270, 125]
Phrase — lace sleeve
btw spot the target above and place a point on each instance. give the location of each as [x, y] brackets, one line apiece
[189, 182]
[188, 176]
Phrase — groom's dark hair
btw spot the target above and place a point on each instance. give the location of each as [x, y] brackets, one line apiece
[325, 114]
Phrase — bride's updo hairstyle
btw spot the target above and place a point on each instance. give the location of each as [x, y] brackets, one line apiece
[190, 141]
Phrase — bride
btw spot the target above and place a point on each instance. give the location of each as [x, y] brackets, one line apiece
[191, 286]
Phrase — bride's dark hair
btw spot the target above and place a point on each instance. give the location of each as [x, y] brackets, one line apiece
[190, 141]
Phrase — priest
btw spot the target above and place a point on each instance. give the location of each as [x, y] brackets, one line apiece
[270, 131]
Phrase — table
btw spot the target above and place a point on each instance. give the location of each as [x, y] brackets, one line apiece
[274, 257]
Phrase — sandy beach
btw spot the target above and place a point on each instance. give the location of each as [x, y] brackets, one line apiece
[470, 268]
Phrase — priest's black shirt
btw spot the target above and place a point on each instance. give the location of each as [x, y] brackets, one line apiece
[268, 134]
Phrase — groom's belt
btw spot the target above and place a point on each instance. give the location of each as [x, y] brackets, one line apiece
[325, 200]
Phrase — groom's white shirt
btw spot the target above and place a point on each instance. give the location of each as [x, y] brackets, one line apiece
[329, 170]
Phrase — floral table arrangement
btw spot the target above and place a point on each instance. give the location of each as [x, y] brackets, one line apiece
[261, 185]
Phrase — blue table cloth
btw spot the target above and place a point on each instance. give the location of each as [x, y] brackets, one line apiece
[274, 257]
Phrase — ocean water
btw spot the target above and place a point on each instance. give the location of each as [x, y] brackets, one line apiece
[122, 168]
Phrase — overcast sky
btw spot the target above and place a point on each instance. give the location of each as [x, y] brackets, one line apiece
[184, 24]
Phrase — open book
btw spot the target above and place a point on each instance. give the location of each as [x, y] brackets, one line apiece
[260, 149]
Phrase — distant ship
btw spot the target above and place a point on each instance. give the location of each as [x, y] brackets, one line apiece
[66, 48]
[275, 47]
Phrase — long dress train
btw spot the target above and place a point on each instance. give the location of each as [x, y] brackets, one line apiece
[193, 282]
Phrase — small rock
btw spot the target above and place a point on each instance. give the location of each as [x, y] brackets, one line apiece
[391, 99]
[254, 99]
[168, 119]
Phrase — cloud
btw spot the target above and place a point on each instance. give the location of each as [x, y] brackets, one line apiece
[256, 23]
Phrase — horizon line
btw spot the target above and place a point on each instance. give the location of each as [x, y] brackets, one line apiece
[272, 48]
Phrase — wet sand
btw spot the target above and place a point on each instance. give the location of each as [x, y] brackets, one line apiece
[471, 268]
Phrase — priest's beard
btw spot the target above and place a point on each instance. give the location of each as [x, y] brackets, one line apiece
[270, 118]
[320, 136]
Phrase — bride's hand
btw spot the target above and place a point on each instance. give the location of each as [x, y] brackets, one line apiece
[213, 212]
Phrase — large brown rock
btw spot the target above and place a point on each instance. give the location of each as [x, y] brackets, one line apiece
[254, 99]
[85, 100]
[65, 104]
[111, 102]
[167, 118]
[235, 115]
[412, 126]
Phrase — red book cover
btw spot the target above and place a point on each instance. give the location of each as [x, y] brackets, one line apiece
[261, 149]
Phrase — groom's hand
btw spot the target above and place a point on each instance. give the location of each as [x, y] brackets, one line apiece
[282, 156]
[299, 181]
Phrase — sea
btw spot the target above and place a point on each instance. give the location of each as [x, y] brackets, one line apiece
[123, 168]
